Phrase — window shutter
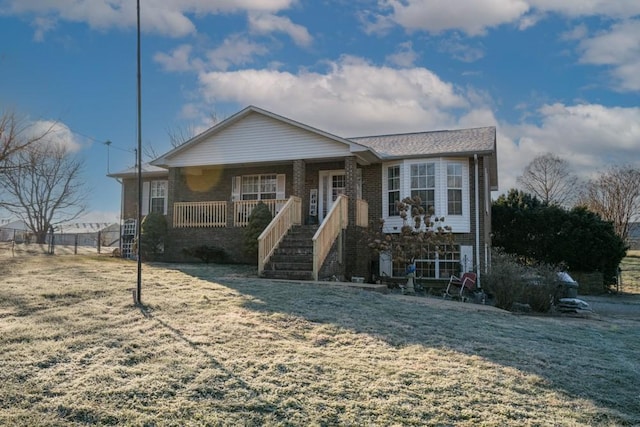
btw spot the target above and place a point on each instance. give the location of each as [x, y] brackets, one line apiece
[166, 196]
[144, 209]
[280, 189]
[236, 185]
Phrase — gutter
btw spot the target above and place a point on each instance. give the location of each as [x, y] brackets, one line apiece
[477, 198]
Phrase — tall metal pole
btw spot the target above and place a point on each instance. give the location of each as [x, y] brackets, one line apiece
[139, 161]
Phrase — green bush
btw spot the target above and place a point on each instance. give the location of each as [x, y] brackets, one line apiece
[154, 233]
[258, 220]
[539, 291]
[510, 283]
[208, 254]
[537, 233]
[506, 280]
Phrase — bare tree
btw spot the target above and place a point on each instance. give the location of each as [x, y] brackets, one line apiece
[15, 136]
[615, 196]
[549, 178]
[43, 185]
[180, 134]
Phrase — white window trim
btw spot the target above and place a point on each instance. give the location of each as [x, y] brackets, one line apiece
[236, 186]
[164, 197]
[459, 223]
[385, 187]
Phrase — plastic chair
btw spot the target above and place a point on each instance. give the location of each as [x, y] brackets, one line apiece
[466, 282]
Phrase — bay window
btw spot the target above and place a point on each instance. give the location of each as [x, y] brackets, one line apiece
[423, 184]
[393, 190]
[454, 189]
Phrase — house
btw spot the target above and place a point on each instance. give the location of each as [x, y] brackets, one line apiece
[319, 185]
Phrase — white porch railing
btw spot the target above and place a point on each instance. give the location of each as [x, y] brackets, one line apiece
[199, 214]
[214, 213]
[243, 208]
[362, 213]
[289, 215]
[336, 220]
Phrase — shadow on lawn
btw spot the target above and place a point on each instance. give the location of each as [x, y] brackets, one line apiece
[581, 357]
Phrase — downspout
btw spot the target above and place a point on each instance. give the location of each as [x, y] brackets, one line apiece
[477, 197]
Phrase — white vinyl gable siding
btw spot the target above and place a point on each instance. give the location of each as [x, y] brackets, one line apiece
[257, 138]
[459, 223]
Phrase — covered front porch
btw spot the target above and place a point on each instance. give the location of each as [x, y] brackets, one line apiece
[286, 215]
[236, 214]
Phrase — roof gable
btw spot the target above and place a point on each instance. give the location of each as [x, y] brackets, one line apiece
[256, 135]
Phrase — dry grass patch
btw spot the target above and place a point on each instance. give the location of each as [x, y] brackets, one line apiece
[631, 272]
[215, 346]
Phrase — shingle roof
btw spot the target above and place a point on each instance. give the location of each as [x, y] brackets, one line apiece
[147, 170]
[462, 141]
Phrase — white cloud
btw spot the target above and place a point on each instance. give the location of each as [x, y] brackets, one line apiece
[578, 8]
[590, 137]
[235, 50]
[578, 32]
[265, 23]
[461, 51]
[470, 16]
[54, 133]
[404, 57]
[177, 60]
[475, 17]
[42, 25]
[166, 17]
[352, 98]
[618, 48]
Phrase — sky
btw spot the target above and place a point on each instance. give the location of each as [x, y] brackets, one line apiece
[552, 76]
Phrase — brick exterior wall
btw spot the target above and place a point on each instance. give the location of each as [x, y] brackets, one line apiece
[360, 258]
[215, 184]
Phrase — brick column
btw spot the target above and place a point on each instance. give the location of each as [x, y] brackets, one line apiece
[298, 178]
[172, 191]
[351, 185]
[351, 190]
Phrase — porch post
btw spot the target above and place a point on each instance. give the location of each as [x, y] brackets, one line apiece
[351, 190]
[298, 178]
[351, 186]
[172, 190]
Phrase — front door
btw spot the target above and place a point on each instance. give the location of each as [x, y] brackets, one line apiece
[332, 184]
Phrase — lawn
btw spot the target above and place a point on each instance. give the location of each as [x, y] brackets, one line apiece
[213, 345]
[630, 272]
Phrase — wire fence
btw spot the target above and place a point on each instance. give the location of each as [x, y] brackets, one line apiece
[102, 241]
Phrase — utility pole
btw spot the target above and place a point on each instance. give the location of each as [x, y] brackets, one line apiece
[138, 296]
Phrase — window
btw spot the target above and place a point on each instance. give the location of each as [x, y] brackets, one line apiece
[338, 184]
[438, 263]
[259, 187]
[158, 197]
[454, 189]
[393, 191]
[423, 184]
